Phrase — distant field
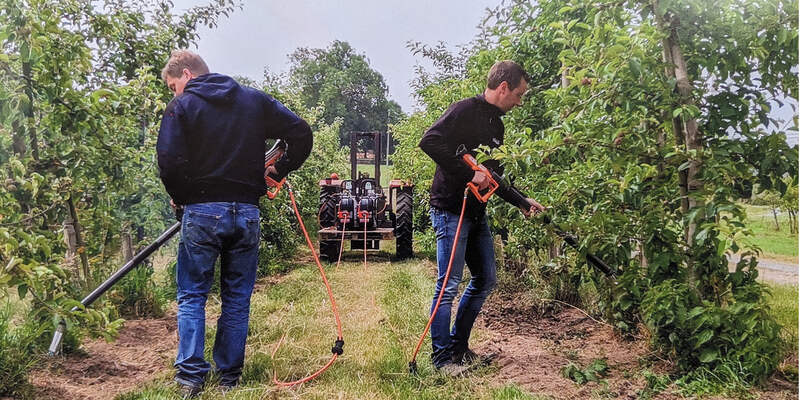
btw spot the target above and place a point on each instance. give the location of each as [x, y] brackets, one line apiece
[777, 244]
[386, 172]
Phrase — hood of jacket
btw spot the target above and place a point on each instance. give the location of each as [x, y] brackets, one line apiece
[215, 88]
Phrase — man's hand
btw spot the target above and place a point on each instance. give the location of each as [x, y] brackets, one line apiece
[177, 209]
[271, 171]
[481, 180]
[534, 209]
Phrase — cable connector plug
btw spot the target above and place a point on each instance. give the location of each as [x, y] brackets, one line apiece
[338, 347]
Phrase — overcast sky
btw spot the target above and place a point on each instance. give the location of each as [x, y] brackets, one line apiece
[265, 32]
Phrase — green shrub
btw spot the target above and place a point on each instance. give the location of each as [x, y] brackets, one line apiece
[738, 335]
[18, 353]
[137, 295]
[593, 372]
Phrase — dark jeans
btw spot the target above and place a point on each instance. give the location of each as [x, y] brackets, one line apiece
[475, 247]
[209, 230]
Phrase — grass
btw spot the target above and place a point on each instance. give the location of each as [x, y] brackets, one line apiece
[383, 310]
[776, 244]
[386, 172]
[784, 305]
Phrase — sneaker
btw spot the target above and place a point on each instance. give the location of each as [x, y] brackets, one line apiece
[189, 391]
[452, 369]
[471, 358]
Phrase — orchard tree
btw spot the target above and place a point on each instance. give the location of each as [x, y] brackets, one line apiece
[81, 99]
[341, 80]
[644, 115]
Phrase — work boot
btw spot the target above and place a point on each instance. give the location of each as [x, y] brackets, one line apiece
[452, 369]
[471, 358]
[189, 391]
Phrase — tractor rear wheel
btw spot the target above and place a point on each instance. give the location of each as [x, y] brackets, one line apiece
[329, 250]
[327, 207]
[403, 229]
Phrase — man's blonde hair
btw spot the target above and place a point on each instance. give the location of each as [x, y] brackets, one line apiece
[180, 59]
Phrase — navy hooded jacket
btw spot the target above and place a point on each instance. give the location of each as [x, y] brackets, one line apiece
[212, 141]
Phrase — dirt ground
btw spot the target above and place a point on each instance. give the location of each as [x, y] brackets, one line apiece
[144, 350]
[532, 347]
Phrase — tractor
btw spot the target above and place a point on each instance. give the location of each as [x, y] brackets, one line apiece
[359, 209]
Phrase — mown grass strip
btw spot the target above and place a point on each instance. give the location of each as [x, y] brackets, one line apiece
[383, 311]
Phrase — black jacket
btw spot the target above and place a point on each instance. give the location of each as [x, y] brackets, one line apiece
[469, 123]
[212, 141]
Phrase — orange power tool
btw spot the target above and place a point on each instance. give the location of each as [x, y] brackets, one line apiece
[493, 184]
[270, 158]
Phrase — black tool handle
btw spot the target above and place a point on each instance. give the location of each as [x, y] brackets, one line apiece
[55, 344]
[136, 260]
[573, 242]
[516, 197]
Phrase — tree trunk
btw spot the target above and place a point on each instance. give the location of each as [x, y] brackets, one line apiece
[775, 215]
[692, 137]
[669, 71]
[687, 135]
[30, 124]
[564, 79]
[71, 242]
[127, 244]
[80, 245]
[554, 251]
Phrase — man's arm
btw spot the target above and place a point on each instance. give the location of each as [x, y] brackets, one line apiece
[286, 125]
[440, 141]
[173, 156]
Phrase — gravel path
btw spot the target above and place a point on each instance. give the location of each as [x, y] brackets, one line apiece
[773, 271]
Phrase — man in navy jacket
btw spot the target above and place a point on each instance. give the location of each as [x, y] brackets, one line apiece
[211, 149]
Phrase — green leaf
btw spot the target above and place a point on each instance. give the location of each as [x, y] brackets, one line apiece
[635, 67]
[22, 290]
[709, 355]
[25, 52]
[615, 50]
[101, 93]
[571, 24]
[703, 337]
[695, 312]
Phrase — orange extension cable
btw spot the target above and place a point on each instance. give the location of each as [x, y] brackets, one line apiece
[339, 343]
[412, 365]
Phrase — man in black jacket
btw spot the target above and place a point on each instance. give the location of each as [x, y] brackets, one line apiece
[467, 124]
[211, 149]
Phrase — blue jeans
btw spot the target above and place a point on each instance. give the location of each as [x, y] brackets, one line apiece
[475, 247]
[209, 230]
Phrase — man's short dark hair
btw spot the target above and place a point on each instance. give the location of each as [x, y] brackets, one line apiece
[508, 71]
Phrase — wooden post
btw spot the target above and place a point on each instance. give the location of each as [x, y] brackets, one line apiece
[80, 245]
